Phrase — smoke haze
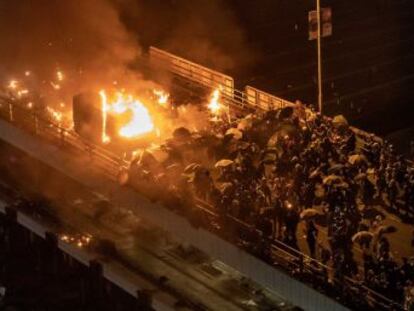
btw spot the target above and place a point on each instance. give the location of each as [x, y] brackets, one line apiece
[86, 37]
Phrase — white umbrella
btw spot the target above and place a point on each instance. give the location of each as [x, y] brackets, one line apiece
[224, 163]
[237, 134]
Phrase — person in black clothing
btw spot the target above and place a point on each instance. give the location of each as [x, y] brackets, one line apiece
[311, 237]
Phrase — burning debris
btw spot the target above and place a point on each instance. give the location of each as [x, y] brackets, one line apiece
[214, 105]
[79, 240]
[140, 121]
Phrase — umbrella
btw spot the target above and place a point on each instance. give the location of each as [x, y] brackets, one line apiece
[225, 187]
[335, 168]
[146, 158]
[176, 168]
[343, 185]
[315, 174]
[270, 158]
[362, 236]
[287, 129]
[285, 113]
[357, 159]
[360, 176]
[159, 154]
[332, 179]
[371, 213]
[340, 121]
[223, 163]
[246, 123]
[237, 134]
[386, 229]
[309, 213]
[190, 168]
[181, 133]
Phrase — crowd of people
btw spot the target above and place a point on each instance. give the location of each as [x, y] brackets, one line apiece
[275, 169]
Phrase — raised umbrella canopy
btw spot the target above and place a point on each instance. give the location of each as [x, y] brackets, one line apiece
[225, 187]
[340, 121]
[371, 213]
[362, 236]
[332, 179]
[236, 133]
[285, 113]
[223, 163]
[159, 153]
[147, 159]
[284, 130]
[360, 176]
[181, 133]
[315, 174]
[270, 158]
[386, 229]
[356, 159]
[335, 168]
[310, 213]
[174, 168]
[246, 123]
[191, 168]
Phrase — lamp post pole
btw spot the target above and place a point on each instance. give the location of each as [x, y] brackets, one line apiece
[318, 13]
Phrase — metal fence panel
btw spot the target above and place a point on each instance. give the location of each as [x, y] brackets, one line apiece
[264, 100]
[192, 71]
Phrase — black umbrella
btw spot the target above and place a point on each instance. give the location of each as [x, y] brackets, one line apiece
[182, 133]
[286, 113]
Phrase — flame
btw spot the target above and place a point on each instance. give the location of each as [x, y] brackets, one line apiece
[13, 84]
[163, 97]
[59, 75]
[27, 73]
[56, 115]
[55, 85]
[104, 100]
[22, 92]
[214, 104]
[140, 122]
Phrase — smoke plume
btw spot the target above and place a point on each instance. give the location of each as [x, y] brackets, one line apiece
[83, 38]
[205, 31]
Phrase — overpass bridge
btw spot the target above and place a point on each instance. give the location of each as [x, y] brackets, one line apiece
[65, 152]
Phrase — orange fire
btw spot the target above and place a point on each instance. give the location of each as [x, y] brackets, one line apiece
[13, 84]
[162, 97]
[140, 121]
[214, 104]
[104, 100]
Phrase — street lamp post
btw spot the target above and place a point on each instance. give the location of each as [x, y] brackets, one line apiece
[318, 13]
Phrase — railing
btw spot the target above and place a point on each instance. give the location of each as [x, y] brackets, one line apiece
[111, 164]
[290, 258]
[251, 99]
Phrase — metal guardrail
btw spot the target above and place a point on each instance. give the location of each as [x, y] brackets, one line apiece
[251, 99]
[111, 164]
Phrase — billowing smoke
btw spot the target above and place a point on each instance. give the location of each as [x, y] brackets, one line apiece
[83, 38]
[204, 31]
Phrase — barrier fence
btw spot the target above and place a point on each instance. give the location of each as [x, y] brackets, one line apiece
[192, 71]
[111, 164]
